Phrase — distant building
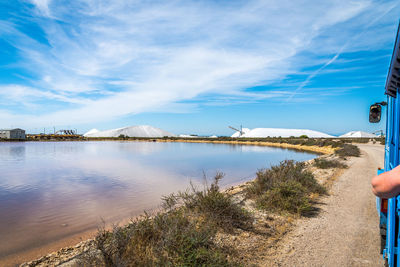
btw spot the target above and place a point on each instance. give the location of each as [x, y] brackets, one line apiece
[12, 133]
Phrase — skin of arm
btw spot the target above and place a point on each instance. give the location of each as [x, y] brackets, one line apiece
[387, 184]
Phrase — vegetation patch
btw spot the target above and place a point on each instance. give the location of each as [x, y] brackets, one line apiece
[167, 239]
[285, 188]
[328, 163]
[182, 235]
[214, 206]
[348, 150]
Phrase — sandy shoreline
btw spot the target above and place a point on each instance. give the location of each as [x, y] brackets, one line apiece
[38, 252]
[58, 245]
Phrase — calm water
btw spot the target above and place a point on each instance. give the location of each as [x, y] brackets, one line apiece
[49, 191]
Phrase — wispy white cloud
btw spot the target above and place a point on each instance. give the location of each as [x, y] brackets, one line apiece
[115, 58]
[348, 43]
[43, 7]
[28, 96]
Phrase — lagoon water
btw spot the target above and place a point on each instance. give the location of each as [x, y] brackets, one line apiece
[52, 190]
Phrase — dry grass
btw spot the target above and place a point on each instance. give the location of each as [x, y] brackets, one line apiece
[348, 150]
[328, 163]
[214, 206]
[166, 239]
[285, 188]
[182, 235]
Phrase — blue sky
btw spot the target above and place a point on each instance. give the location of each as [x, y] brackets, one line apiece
[194, 66]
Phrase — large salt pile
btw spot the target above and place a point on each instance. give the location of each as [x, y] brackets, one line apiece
[244, 131]
[276, 132]
[358, 134]
[93, 131]
[188, 136]
[132, 131]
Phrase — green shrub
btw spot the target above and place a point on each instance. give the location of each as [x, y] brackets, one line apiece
[288, 196]
[303, 136]
[326, 164]
[216, 207]
[167, 239]
[285, 187]
[348, 150]
[182, 235]
[309, 142]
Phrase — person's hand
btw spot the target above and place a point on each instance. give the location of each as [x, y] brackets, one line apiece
[387, 184]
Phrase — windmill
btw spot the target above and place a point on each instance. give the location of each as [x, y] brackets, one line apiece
[239, 131]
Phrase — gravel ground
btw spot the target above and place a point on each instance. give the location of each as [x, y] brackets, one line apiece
[345, 232]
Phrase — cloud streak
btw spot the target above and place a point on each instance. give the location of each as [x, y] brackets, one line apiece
[336, 56]
[101, 60]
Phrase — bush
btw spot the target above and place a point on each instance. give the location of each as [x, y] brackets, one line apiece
[182, 235]
[309, 142]
[303, 136]
[216, 207]
[167, 239]
[284, 188]
[326, 164]
[348, 150]
[286, 196]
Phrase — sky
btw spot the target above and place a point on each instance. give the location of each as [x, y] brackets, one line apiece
[194, 67]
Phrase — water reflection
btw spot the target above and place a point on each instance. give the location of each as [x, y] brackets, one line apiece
[51, 190]
[12, 151]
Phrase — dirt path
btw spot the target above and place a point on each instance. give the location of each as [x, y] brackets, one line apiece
[345, 233]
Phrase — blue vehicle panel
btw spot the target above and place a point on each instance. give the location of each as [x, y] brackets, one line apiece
[389, 220]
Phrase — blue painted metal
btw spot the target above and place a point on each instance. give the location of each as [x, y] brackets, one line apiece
[390, 221]
[393, 78]
[395, 149]
[392, 158]
[387, 167]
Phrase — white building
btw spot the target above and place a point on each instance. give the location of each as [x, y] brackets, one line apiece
[12, 133]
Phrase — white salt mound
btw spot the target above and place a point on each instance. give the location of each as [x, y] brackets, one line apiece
[93, 131]
[276, 132]
[244, 130]
[358, 134]
[132, 131]
[188, 136]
